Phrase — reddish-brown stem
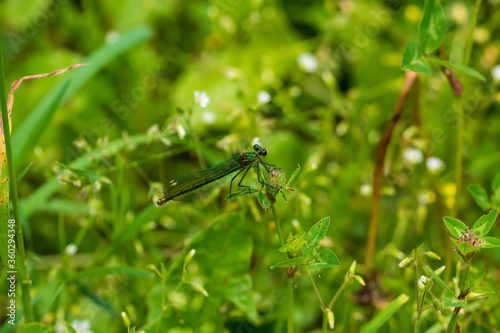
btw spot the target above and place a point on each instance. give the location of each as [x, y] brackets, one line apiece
[410, 79]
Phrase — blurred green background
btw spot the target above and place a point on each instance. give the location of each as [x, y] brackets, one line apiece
[314, 81]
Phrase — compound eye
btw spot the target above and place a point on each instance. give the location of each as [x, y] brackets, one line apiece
[263, 152]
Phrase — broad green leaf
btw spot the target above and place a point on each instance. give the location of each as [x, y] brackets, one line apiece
[467, 70]
[451, 301]
[491, 242]
[35, 328]
[481, 290]
[480, 196]
[69, 328]
[290, 262]
[414, 60]
[455, 227]
[432, 28]
[384, 315]
[314, 236]
[324, 259]
[22, 173]
[27, 135]
[438, 280]
[484, 223]
[264, 200]
[474, 281]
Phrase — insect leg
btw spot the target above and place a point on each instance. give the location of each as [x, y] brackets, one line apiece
[262, 182]
[239, 184]
[236, 175]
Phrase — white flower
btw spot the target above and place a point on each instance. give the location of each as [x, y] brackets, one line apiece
[307, 62]
[71, 249]
[434, 164]
[413, 155]
[263, 97]
[81, 326]
[495, 72]
[365, 190]
[181, 131]
[256, 141]
[112, 36]
[422, 282]
[201, 98]
[208, 117]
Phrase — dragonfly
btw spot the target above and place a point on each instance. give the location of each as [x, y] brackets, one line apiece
[201, 183]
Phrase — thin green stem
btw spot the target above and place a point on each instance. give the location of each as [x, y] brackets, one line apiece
[290, 306]
[25, 283]
[338, 293]
[420, 304]
[461, 296]
[278, 225]
[470, 38]
[323, 308]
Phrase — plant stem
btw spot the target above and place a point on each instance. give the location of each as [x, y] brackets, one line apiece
[410, 79]
[323, 308]
[337, 294]
[25, 283]
[278, 225]
[470, 38]
[463, 293]
[419, 313]
[290, 306]
[417, 323]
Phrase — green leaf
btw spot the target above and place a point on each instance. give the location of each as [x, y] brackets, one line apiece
[414, 60]
[241, 192]
[482, 290]
[69, 328]
[314, 236]
[480, 196]
[22, 173]
[432, 28]
[35, 328]
[467, 70]
[290, 262]
[28, 134]
[495, 186]
[477, 279]
[455, 226]
[438, 280]
[123, 270]
[465, 247]
[490, 242]
[484, 223]
[380, 318]
[451, 301]
[264, 200]
[324, 259]
[294, 176]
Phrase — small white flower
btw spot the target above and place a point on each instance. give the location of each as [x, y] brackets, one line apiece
[263, 97]
[495, 72]
[365, 190]
[256, 141]
[112, 36]
[181, 131]
[71, 249]
[434, 164]
[413, 155]
[307, 62]
[208, 117]
[422, 282]
[201, 98]
[81, 326]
